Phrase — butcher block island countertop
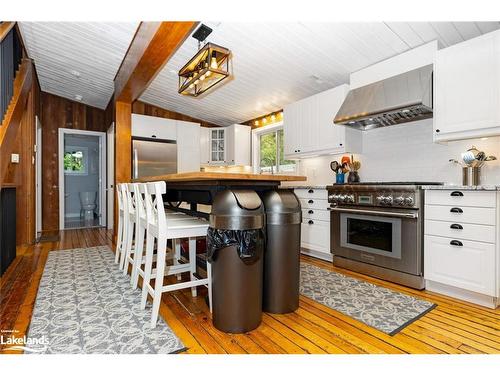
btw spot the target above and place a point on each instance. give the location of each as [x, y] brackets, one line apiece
[220, 176]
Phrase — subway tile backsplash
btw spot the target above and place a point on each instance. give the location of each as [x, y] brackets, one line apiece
[406, 152]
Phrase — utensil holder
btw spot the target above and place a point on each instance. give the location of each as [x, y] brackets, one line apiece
[339, 179]
[471, 176]
[353, 177]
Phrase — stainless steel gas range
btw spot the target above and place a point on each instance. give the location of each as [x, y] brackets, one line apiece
[377, 229]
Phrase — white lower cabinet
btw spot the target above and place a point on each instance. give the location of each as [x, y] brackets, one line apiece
[469, 266]
[461, 255]
[315, 227]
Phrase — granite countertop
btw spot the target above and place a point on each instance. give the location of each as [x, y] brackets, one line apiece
[461, 187]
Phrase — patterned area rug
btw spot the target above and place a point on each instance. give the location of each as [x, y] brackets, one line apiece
[378, 307]
[86, 305]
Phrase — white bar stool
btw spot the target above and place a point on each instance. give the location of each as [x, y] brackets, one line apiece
[128, 227]
[120, 232]
[136, 257]
[160, 228]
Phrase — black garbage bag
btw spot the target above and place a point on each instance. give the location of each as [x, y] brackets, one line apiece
[248, 242]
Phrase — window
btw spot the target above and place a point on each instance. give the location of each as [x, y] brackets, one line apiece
[75, 160]
[272, 155]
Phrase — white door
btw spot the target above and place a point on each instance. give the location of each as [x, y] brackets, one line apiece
[38, 177]
[110, 182]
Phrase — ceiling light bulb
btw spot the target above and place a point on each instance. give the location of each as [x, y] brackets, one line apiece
[207, 74]
[191, 85]
[273, 117]
[202, 77]
[213, 61]
[196, 82]
[280, 114]
[264, 120]
[256, 122]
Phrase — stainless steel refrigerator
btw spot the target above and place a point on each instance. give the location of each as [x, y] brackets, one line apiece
[153, 157]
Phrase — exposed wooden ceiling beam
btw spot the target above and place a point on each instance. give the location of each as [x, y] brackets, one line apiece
[153, 45]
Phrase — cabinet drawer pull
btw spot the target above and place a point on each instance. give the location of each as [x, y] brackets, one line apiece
[310, 191]
[310, 212]
[457, 210]
[457, 194]
[456, 226]
[310, 201]
[310, 222]
[456, 243]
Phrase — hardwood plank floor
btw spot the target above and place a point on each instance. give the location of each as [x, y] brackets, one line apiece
[453, 327]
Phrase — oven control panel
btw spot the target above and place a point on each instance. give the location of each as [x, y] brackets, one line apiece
[393, 199]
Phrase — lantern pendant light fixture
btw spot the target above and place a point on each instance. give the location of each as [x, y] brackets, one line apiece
[208, 67]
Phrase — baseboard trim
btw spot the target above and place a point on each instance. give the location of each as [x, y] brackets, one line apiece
[466, 295]
[316, 254]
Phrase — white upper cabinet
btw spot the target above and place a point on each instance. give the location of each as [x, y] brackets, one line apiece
[188, 150]
[204, 145]
[217, 146]
[309, 129]
[467, 89]
[226, 146]
[153, 127]
[238, 144]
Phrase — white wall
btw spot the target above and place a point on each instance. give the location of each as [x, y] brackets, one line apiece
[74, 184]
[406, 152]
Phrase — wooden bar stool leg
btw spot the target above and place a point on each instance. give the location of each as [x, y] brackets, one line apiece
[147, 269]
[160, 271]
[192, 263]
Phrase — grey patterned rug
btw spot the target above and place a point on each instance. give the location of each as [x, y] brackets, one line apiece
[86, 305]
[380, 308]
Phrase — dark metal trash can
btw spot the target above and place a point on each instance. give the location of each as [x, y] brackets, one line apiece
[282, 255]
[235, 246]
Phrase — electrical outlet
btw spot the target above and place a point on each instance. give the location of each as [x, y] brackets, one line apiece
[14, 158]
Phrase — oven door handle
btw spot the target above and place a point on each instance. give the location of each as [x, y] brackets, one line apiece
[412, 215]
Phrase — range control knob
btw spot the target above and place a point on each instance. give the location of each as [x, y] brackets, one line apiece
[387, 200]
[331, 198]
[409, 201]
[399, 201]
[342, 198]
[380, 199]
[350, 198]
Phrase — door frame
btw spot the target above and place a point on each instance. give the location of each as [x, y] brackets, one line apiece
[102, 173]
[38, 177]
[110, 180]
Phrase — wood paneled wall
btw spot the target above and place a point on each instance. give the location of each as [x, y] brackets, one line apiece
[142, 108]
[58, 112]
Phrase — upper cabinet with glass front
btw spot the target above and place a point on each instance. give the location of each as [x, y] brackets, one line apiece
[309, 128]
[217, 146]
[226, 146]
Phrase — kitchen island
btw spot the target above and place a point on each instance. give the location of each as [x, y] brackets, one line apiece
[201, 187]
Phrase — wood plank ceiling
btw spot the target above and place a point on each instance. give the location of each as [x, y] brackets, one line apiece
[78, 60]
[278, 63]
[274, 63]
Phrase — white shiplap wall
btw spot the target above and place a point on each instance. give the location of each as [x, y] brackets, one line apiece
[93, 49]
[275, 64]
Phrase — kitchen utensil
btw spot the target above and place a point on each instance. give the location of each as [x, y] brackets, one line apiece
[468, 157]
[491, 157]
[345, 160]
[356, 165]
[334, 166]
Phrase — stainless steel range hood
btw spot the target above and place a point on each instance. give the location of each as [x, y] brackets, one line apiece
[402, 98]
